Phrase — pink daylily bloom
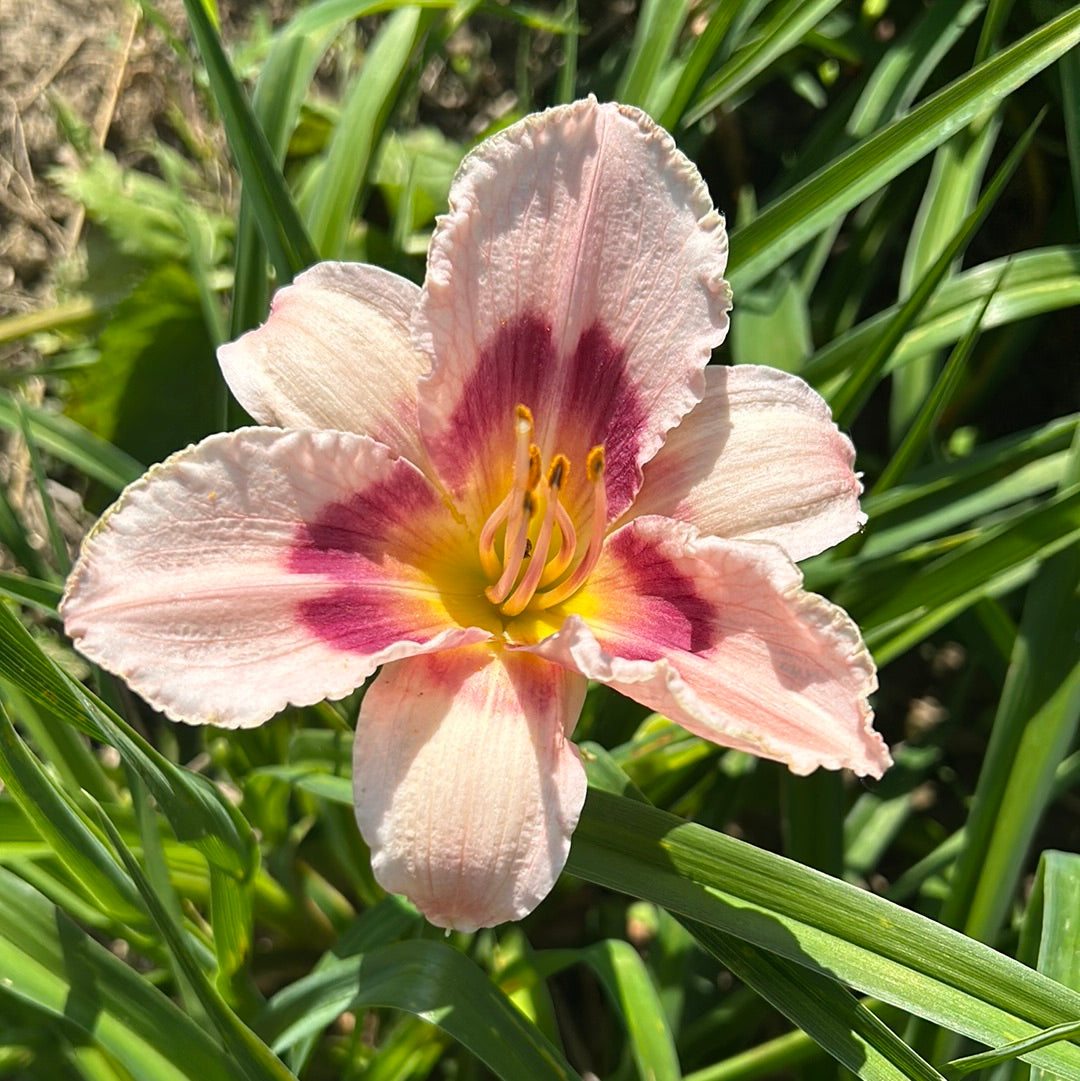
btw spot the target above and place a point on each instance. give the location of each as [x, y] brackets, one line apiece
[497, 487]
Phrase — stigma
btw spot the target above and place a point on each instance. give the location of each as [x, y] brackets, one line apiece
[529, 548]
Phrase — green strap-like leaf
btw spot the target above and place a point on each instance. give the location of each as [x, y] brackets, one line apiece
[431, 981]
[279, 223]
[827, 1012]
[49, 963]
[862, 940]
[797, 217]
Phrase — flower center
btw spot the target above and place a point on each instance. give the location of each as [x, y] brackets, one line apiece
[531, 570]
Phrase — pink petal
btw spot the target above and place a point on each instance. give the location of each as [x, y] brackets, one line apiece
[579, 273]
[467, 787]
[260, 568]
[759, 459]
[719, 636]
[334, 353]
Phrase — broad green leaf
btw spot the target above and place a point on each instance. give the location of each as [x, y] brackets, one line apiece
[798, 216]
[773, 326]
[431, 981]
[156, 386]
[822, 923]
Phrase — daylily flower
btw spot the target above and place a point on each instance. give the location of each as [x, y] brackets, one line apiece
[514, 480]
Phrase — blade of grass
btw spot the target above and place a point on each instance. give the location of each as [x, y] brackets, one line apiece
[850, 396]
[985, 565]
[1035, 282]
[279, 223]
[945, 387]
[988, 1059]
[902, 72]
[656, 32]
[798, 216]
[784, 28]
[279, 94]
[43, 595]
[628, 985]
[251, 1057]
[824, 1010]
[55, 967]
[566, 82]
[1070, 93]
[1050, 936]
[1036, 722]
[431, 981]
[57, 543]
[198, 813]
[951, 191]
[367, 107]
[14, 539]
[69, 835]
[71, 443]
[706, 47]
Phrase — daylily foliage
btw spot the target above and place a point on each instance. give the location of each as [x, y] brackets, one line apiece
[499, 486]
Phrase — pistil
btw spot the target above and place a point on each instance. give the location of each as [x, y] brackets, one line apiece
[519, 599]
[525, 479]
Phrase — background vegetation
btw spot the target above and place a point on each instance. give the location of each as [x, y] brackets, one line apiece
[903, 185]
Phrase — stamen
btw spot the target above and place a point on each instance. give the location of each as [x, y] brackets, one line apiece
[567, 547]
[594, 470]
[519, 599]
[488, 559]
[513, 552]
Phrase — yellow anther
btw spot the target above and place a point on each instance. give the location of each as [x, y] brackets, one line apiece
[558, 471]
[523, 416]
[594, 464]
